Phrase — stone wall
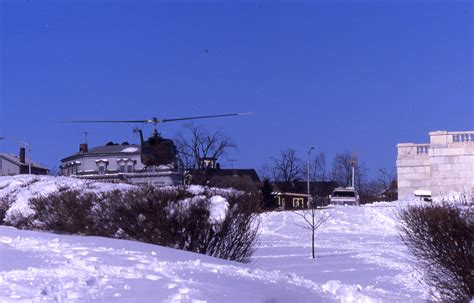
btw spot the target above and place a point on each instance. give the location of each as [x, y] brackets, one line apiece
[445, 164]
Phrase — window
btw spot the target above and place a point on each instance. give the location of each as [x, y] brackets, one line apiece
[129, 168]
[122, 168]
[101, 170]
[298, 202]
[0, 164]
[344, 194]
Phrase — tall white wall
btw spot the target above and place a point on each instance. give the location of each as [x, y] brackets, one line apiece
[452, 162]
[445, 164]
[413, 168]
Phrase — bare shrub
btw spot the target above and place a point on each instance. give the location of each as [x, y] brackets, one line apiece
[441, 238]
[5, 203]
[173, 218]
[237, 236]
[66, 211]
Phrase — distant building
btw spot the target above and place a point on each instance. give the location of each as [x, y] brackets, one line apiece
[443, 165]
[294, 195]
[11, 164]
[116, 163]
[212, 174]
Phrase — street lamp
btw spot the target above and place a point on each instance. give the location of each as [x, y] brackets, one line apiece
[28, 146]
[307, 170]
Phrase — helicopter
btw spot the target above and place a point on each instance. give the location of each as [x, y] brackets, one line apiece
[156, 150]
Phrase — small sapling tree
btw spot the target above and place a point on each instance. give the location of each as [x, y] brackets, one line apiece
[313, 218]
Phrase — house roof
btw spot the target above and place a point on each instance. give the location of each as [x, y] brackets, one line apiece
[231, 172]
[238, 172]
[131, 149]
[322, 188]
[15, 160]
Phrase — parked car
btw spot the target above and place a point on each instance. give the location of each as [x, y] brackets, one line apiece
[424, 195]
[344, 196]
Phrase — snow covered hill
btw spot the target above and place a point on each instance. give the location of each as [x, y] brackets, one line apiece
[20, 188]
[43, 267]
[359, 258]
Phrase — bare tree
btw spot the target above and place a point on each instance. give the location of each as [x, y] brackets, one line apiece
[312, 221]
[342, 171]
[320, 167]
[288, 166]
[200, 143]
[266, 171]
[318, 170]
[383, 186]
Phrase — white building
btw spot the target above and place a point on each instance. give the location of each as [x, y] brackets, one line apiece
[116, 163]
[11, 164]
[443, 165]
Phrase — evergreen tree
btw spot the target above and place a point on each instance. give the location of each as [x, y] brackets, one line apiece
[268, 201]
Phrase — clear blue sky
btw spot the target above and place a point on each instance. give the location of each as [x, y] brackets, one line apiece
[341, 76]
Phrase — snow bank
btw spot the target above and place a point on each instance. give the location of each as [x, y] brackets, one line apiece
[359, 255]
[129, 150]
[218, 209]
[21, 188]
[43, 267]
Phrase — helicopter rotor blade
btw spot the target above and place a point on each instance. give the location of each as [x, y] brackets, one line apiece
[201, 117]
[107, 121]
[155, 120]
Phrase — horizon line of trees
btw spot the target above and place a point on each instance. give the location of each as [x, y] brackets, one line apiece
[289, 167]
[197, 142]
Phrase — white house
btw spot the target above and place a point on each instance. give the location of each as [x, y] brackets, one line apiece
[116, 163]
[11, 164]
[443, 165]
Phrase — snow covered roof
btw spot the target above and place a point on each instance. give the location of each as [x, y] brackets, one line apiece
[114, 150]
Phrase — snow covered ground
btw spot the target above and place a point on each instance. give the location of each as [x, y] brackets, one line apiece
[359, 258]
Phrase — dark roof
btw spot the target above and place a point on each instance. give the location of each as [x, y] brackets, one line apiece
[106, 150]
[238, 172]
[229, 172]
[322, 188]
[15, 160]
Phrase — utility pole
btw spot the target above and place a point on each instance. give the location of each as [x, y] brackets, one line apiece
[353, 164]
[307, 170]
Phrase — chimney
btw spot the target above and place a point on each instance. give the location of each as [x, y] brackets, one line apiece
[22, 155]
[83, 148]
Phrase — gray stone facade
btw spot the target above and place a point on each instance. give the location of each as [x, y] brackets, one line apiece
[443, 165]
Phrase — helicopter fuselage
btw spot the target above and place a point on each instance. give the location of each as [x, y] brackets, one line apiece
[157, 150]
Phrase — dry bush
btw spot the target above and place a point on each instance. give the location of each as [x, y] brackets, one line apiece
[237, 236]
[173, 218]
[5, 203]
[441, 238]
[66, 212]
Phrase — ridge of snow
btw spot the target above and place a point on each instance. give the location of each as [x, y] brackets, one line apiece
[21, 188]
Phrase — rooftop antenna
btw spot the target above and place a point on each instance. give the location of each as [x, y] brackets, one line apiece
[231, 162]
